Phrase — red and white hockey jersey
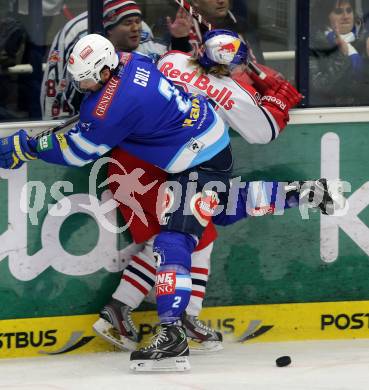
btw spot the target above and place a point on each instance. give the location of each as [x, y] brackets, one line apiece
[236, 102]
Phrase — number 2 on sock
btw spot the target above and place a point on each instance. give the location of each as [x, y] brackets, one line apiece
[177, 301]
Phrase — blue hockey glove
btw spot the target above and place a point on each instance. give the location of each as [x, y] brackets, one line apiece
[15, 151]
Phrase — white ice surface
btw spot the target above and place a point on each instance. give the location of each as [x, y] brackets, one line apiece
[325, 365]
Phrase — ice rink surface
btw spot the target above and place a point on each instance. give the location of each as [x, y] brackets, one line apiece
[324, 365]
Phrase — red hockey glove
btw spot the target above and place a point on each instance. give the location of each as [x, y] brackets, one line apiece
[289, 93]
[278, 101]
[271, 79]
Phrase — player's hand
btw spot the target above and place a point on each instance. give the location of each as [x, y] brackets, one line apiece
[182, 24]
[15, 151]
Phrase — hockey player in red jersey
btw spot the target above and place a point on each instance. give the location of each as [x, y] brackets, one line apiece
[259, 112]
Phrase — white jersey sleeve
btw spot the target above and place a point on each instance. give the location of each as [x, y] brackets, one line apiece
[148, 46]
[57, 92]
[236, 103]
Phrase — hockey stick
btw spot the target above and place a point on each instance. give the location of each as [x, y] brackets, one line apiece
[199, 18]
[61, 126]
[255, 69]
[188, 7]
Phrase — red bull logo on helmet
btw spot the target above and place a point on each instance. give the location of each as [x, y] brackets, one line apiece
[231, 47]
[222, 49]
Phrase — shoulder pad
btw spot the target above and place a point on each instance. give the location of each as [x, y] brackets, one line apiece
[142, 57]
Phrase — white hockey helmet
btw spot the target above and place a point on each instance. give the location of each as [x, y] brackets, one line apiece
[222, 47]
[89, 56]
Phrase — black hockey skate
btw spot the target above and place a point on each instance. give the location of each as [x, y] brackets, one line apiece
[116, 326]
[168, 351]
[322, 194]
[202, 338]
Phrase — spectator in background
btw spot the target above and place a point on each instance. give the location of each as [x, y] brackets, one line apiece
[49, 7]
[123, 27]
[13, 38]
[37, 17]
[337, 54]
[218, 13]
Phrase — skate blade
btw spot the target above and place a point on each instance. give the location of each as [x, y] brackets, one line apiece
[204, 347]
[105, 330]
[179, 363]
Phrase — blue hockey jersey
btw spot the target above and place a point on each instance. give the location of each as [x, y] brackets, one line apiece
[145, 114]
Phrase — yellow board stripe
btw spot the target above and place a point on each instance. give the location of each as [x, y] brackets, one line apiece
[246, 324]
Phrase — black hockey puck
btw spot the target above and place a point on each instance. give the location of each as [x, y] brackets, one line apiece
[283, 361]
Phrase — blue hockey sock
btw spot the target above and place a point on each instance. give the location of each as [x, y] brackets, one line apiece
[173, 279]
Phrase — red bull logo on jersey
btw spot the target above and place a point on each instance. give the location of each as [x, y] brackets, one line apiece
[54, 57]
[202, 82]
[63, 84]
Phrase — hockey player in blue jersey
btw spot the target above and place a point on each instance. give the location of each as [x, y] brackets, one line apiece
[132, 105]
